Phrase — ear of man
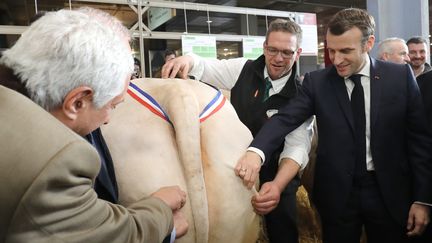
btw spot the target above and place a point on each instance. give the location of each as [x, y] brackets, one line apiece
[77, 101]
[370, 43]
[385, 56]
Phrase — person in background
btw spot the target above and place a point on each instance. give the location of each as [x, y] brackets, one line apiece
[56, 202]
[169, 55]
[137, 69]
[393, 50]
[258, 89]
[424, 82]
[417, 52]
[373, 165]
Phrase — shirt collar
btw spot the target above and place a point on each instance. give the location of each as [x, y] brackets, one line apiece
[277, 84]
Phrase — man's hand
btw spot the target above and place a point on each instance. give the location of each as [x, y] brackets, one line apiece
[267, 198]
[179, 65]
[248, 168]
[418, 219]
[173, 196]
[180, 223]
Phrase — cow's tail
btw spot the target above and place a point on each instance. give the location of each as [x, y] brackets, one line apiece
[183, 110]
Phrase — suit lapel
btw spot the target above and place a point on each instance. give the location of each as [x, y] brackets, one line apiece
[342, 96]
[375, 84]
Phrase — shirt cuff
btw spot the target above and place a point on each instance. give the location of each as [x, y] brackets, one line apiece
[298, 154]
[422, 203]
[173, 235]
[259, 152]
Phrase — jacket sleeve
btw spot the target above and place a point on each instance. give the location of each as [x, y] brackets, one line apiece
[292, 115]
[61, 206]
[222, 74]
[419, 142]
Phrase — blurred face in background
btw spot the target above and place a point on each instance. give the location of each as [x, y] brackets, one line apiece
[169, 57]
[398, 54]
[137, 72]
[417, 53]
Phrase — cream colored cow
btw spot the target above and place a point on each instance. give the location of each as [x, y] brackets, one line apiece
[149, 152]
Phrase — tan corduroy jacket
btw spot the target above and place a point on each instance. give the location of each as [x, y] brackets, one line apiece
[46, 177]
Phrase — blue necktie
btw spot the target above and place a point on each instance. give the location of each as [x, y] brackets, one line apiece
[268, 86]
[358, 110]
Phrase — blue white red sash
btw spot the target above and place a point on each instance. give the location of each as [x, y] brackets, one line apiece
[215, 105]
[150, 103]
[145, 99]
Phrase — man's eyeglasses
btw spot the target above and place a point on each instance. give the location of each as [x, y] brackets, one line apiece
[284, 53]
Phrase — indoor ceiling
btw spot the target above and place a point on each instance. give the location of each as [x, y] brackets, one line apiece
[18, 12]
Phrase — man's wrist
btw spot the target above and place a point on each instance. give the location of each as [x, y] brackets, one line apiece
[259, 152]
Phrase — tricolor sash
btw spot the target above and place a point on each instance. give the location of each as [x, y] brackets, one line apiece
[150, 103]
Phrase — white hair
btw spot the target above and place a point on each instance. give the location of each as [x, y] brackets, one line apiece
[385, 46]
[67, 49]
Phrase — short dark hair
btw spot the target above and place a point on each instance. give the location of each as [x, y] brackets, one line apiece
[346, 19]
[284, 25]
[416, 40]
[169, 52]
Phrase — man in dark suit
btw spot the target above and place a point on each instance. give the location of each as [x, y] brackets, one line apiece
[373, 165]
[425, 84]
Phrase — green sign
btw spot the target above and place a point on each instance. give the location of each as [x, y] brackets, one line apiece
[253, 47]
[158, 16]
[203, 46]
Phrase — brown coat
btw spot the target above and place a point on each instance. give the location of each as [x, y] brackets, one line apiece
[46, 177]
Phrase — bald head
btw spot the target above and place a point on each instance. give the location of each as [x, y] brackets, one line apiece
[393, 50]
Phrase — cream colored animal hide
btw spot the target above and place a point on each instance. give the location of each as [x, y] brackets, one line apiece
[150, 153]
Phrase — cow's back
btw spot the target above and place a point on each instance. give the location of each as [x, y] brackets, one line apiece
[149, 153]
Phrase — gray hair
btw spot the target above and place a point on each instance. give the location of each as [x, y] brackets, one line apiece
[385, 46]
[288, 26]
[67, 49]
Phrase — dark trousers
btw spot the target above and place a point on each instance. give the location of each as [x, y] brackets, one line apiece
[281, 222]
[365, 208]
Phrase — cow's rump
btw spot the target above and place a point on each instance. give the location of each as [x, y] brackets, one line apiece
[150, 151]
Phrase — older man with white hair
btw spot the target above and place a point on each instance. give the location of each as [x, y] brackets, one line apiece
[393, 50]
[76, 65]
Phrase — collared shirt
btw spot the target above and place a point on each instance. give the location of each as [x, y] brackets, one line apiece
[224, 75]
[278, 84]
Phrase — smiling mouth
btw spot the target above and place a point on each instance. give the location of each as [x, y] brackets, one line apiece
[277, 66]
[342, 67]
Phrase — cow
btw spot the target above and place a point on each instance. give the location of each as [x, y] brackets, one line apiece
[184, 132]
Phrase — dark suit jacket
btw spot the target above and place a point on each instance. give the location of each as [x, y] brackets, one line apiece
[399, 142]
[106, 183]
[425, 84]
[252, 111]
